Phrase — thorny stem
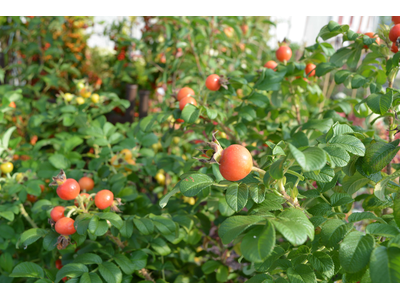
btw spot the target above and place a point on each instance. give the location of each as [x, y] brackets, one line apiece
[116, 240]
[391, 133]
[324, 90]
[146, 275]
[27, 217]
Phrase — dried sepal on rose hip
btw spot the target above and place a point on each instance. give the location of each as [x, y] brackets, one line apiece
[65, 227]
[213, 154]
[105, 198]
[214, 82]
[67, 189]
[63, 242]
[235, 162]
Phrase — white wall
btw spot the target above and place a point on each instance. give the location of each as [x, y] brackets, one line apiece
[298, 29]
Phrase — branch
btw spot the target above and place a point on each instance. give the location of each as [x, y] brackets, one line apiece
[195, 54]
[27, 217]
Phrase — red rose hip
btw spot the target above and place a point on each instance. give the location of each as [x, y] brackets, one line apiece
[65, 226]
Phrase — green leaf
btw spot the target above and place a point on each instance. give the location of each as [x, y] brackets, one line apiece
[194, 184]
[311, 159]
[276, 169]
[325, 175]
[259, 99]
[324, 68]
[139, 260]
[33, 188]
[336, 130]
[110, 272]
[90, 278]
[338, 156]
[6, 262]
[164, 225]
[71, 270]
[59, 161]
[127, 229]
[380, 103]
[333, 231]
[341, 56]
[236, 196]
[190, 113]
[32, 235]
[222, 274]
[382, 230]
[6, 137]
[267, 264]
[147, 123]
[301, 274]
[233, 226]
[321, 125]
[385, 265]
[8, 215]
[114, 219]
[352, 184]
[339, 199]
[81, 223]
[88, 259]
[27, 269]
[349, 143]
[355, 251]
[164, 200]
[270, 80]
[258, 243]
[160, 246]
[224, 208]
[380, 187]
[323, 263]
[396, 209]
[341, 76]
[145, 226]
[257, 192]
[210, 266]
[124, 263]
[378, 155]
[260, 278]
[355, 217]
[294, 225]
[358, 81]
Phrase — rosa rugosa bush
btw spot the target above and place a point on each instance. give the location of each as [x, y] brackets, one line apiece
[245, 174]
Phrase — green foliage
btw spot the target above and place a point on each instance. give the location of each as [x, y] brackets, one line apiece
[318, 204]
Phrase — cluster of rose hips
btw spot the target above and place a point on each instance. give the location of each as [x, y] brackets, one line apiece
[235, 162]
[70, 189]
[394, 34]
[213, 83]
[283, 54]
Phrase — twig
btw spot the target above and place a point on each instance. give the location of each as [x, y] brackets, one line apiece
[391, 133]
[27, 217]
[298, 117]
[195, 54]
